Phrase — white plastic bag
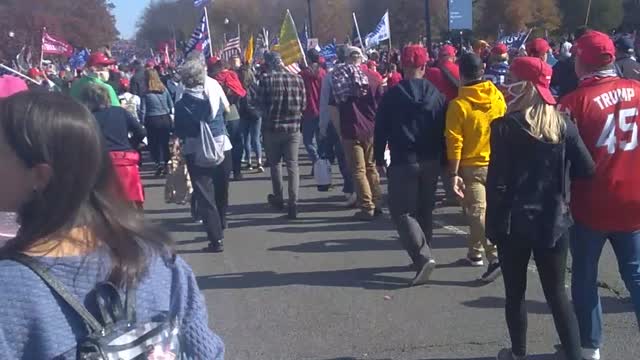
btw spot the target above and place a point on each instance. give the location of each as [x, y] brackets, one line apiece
[207, 153]
[322, 173]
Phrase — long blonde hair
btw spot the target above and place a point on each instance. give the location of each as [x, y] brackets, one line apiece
[545, 121]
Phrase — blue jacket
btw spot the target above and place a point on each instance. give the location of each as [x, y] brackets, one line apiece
[156, 104]
[190, 111]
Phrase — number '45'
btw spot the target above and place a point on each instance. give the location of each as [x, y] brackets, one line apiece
[608, 137]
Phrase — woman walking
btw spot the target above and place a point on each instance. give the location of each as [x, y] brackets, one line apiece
[535, 150]
[156, 108]
[205, 107]
[77, 230]
[116, 123]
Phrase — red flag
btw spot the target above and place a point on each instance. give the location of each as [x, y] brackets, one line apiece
[51, 45]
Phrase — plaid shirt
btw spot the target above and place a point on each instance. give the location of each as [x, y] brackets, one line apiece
[349, 81]
[282, 99]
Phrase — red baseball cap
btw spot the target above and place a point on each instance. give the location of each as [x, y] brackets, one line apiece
[372, 63]
[537, 47]
[124, 83]
[595, 48]
[34, 73]
[414, 56]
[448, 50]
[99, 58]
[212, 60]
[537, 72]
[499, 49]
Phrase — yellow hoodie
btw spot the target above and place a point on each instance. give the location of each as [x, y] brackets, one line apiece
[469, 119]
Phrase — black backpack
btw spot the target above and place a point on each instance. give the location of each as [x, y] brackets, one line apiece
[118, 335]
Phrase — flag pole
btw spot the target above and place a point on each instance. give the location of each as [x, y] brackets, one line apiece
[586, 20]
[19, 74]
[44, 29]
[355, 21]
[389, 23]
[206, 19]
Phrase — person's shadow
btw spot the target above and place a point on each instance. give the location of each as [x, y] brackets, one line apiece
[367, 278]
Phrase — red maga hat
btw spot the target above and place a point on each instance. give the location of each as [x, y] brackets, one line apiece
[536, 71]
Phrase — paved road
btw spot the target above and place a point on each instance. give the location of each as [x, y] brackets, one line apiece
[325, 287]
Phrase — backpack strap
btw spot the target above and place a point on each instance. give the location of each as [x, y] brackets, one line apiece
[55, 284]
[452, 79]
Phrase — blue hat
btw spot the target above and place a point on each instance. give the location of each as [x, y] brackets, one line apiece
[625, 44]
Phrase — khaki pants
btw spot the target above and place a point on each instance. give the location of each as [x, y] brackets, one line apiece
[359, 156]
[475, 204]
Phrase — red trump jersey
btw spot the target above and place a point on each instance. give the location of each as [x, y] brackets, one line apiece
[606, 112]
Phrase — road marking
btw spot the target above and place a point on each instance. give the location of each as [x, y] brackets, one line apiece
[452, 229]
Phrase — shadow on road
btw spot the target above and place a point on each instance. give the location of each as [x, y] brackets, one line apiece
[529, 357]
[610, 305]
[367, 278]
[331, 246]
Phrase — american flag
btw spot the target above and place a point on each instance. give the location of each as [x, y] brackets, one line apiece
[199, 39]
[231, 48]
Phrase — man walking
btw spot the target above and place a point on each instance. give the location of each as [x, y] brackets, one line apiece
[607, 206]
[281, 97]
[411, 120]
[312, 77]
[469, 118]
[356, 95]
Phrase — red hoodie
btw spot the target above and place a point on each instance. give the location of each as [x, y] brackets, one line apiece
[231, 81]
[312, 78]
[441, 82]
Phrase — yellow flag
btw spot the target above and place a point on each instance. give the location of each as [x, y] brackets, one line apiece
[248, 53]
[289, 45]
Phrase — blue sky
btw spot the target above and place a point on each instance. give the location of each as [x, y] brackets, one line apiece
[127, 13]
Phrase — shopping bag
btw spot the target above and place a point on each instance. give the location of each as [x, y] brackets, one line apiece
[322, 173]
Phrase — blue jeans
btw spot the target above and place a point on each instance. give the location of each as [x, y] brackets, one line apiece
[310, 128]
[586, 247]
[331, 149]
[251, 136]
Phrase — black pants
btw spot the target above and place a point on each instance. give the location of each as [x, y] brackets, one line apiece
[210, 198]
[551, 264]
[235, 135]
[412, 192]
[159, 133]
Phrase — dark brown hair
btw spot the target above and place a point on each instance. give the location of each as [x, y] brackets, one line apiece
[83, 190]
[153, 81]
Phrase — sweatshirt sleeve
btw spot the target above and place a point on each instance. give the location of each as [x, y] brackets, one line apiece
[199, 341]
[498, 203]
[582, 164]
[454, 131]
[382, 129]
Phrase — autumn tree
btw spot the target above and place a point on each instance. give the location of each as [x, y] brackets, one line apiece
[88, 23]
[604, 15]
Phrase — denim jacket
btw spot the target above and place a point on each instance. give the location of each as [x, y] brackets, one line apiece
[190, 110]
[156, 104]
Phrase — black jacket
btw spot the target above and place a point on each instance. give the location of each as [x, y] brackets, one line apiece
[564, 79]
[411, 120]
[115, 124]
[529, 180]
[138, 84]
[628, 68]
[190, 111]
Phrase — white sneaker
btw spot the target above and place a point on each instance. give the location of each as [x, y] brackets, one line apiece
[591, 354]
[351, 200]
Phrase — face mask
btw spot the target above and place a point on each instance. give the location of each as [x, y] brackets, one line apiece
[103, 75]
[514, 91]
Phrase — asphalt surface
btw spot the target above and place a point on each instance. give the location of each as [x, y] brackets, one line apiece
[326, 287]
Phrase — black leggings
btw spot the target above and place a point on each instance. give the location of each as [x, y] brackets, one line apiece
[551, 264]
[159, 133]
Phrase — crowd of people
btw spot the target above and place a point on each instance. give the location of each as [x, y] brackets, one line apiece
[541, 159]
